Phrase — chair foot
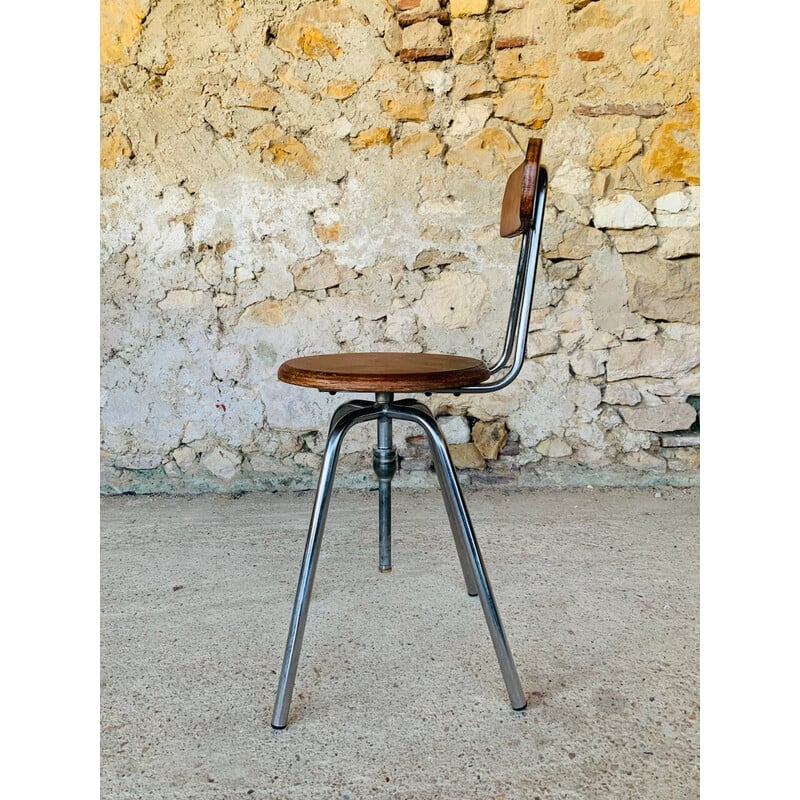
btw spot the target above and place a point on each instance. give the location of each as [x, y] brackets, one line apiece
[344, 418]
[454, 499]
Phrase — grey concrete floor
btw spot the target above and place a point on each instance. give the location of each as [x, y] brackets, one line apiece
[398, 692]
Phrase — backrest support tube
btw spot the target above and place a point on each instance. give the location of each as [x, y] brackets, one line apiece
[521, 303]
[513, 317]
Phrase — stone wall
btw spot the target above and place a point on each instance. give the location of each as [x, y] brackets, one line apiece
[282, 178]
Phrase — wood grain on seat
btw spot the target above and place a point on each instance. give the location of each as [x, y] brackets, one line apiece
[383, 372]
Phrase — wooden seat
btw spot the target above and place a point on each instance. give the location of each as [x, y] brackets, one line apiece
[383, 372]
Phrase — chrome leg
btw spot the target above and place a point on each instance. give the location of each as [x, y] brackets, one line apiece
[452, 492]
[346, 408]
[452, 516]
[343, 419]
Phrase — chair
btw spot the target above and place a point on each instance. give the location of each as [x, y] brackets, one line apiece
[384, 374]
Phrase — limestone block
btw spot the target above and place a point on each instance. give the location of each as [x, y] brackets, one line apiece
[309, 31]
[426, 36]
[580, 242]
[401, 326]
[646, 330]
[571, 178]
[639, 242]
[522, 62]
[320, 272]
[289, 151]
[681, 242]
[184, 457]
[601, 340]
[657, 358]
[490, 438]
[409, 107]
[515, 28]
[562, 270]
[589, 364]
[604, 277]
[663, 290]
[524, 102]
[642, 53]
[673, 153]
[467, 8]
[672, 203]
[222, 463]
[340, 128]
[193, 431]
[120, 27]
[614, 149]
[453, 300]
[625, 440]
[621, 393]
[471, 39]
[438, 81]
[554, 447]
[471, 117]
[425, 143]
[114, 147]
[589, 456]
[341, 90]
[466, 456]
[542, 343]
[609, 419]
[229, 13]
[490, 153]
[664, 417]
[623, 211]
[371, 137]
[455, 429]
[680, 440]
[328, 233]
[678, 209]
[472, 81]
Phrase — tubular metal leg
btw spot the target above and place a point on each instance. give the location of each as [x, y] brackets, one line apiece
[454, 498]
[452, 515]
[455, 527]
[343, 419]
[384, 462]
[466, 568]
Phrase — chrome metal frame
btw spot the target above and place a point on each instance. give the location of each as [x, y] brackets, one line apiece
[384, 410]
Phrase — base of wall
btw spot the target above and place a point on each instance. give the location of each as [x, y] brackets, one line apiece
[547, 474]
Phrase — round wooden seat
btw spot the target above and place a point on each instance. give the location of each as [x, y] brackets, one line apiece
[383, 372]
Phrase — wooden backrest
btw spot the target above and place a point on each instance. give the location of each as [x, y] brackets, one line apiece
[519, 198]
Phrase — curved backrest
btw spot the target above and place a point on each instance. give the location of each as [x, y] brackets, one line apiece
[522, 214]
[518, 200]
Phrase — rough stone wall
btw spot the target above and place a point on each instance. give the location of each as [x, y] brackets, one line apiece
[283, 178]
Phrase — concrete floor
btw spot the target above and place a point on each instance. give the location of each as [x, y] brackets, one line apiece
[398, 692]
